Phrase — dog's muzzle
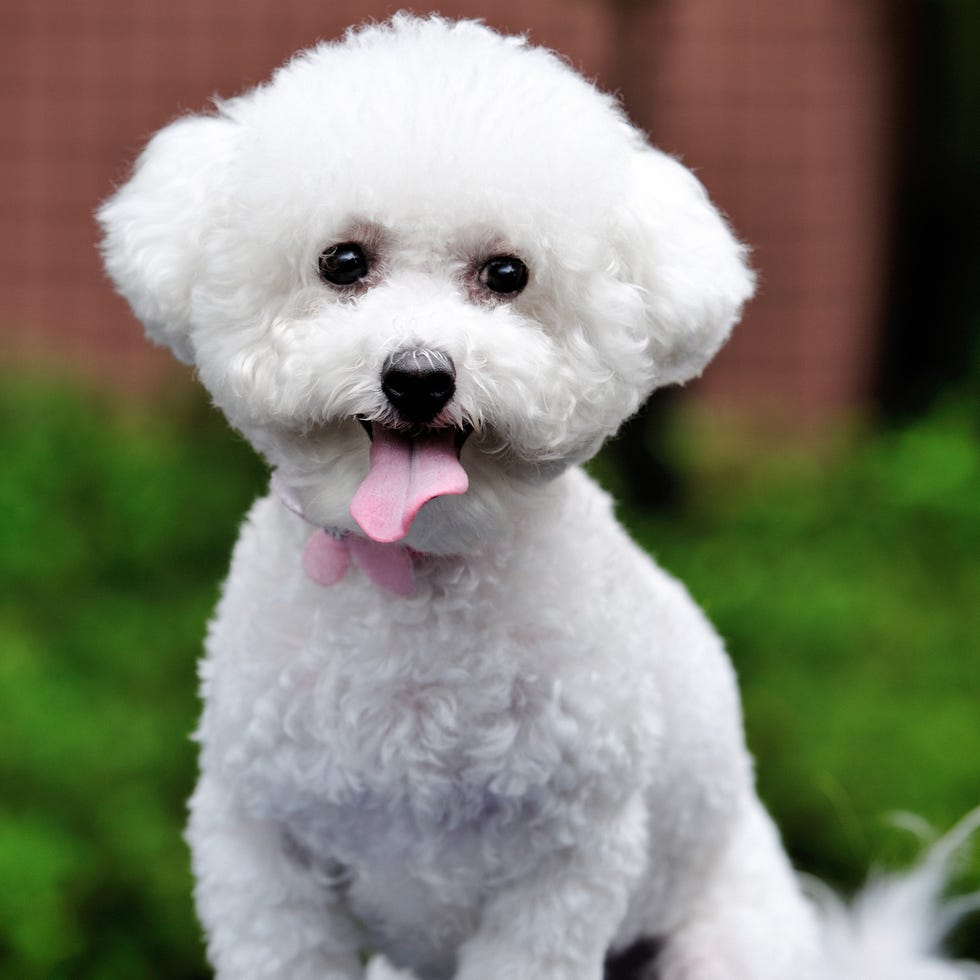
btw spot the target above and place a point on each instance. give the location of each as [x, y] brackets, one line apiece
[418, 382]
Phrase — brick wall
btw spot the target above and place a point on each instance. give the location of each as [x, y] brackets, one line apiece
[784, 109]
[780, 106]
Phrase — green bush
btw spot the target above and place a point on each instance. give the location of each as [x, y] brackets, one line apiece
[846, 586]
[846, 592]
[115, 534]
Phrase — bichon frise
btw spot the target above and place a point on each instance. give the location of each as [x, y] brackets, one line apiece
[452, 713]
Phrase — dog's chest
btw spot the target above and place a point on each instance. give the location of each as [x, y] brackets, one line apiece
[436, 728]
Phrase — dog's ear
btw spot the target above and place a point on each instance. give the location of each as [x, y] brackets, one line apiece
[690, 269]
[155, 223]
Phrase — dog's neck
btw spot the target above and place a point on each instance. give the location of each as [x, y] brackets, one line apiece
[329, 552]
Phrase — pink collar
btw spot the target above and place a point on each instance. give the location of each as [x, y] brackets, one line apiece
[328, 555]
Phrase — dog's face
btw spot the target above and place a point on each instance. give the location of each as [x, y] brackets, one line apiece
[427, 242]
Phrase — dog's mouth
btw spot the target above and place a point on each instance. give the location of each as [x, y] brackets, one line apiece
[408, 468]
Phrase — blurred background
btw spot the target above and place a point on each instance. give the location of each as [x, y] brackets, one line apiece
[818, 490]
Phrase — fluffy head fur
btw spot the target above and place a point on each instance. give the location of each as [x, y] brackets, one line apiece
[436, 145]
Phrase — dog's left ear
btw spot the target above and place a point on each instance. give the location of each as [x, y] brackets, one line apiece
[690, 269]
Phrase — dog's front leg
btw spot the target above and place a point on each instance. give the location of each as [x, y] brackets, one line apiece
[557, 922]
[265, 915]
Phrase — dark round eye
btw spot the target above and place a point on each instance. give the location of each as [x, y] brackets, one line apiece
[504, 274]
[343, 264]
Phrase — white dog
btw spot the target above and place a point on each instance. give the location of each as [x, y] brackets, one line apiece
[452, 713]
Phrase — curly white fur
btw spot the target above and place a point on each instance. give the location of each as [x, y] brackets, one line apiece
[536, 758]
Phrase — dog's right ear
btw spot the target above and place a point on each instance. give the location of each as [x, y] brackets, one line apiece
[155, 223]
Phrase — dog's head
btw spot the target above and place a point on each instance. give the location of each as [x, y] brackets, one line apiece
[434, 237]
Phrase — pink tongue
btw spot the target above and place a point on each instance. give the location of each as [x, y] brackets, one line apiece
[405, 473]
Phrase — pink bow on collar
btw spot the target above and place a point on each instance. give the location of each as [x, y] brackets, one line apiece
[327, 556]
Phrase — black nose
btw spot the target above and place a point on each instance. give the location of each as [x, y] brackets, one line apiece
[418, 382]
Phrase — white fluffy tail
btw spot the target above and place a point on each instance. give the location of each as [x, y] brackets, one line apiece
[894, 927]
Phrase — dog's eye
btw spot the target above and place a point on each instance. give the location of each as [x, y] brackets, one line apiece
[343, 264]
[504, 274]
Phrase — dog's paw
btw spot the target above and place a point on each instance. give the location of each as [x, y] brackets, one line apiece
[691, 965]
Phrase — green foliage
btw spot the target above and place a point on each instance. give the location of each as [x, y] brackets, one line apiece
[846, 591]
[116, 530]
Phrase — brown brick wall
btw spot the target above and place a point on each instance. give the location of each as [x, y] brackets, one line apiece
[84, 84]
[784, 110]
[780, 106]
